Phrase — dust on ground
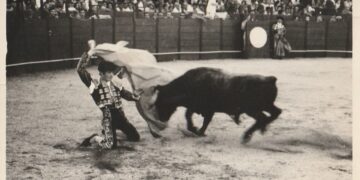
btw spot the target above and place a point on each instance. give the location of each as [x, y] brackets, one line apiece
[50, 113]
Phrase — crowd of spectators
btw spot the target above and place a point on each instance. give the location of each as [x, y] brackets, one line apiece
[85, 9]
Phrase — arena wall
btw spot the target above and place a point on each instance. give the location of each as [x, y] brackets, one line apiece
[169, 39]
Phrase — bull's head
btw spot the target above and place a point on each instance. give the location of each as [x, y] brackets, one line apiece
[165, 104]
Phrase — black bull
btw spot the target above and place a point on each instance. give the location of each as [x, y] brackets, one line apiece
[208, 90]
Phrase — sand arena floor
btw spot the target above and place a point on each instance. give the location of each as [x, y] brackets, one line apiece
[50, 113]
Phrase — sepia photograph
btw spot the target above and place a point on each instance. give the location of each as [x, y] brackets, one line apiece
[179, 89]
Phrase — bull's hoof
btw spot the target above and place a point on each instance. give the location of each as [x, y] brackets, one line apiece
[246, 139]
[193, 130]
[237, 121]
[263, 130]
[201, 133]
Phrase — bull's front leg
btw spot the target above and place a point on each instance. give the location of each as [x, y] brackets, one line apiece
[207, 119]
[275, 112]
[260, 118]
[190, 125]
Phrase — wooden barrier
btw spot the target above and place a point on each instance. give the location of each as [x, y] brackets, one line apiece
[124, 30]
[145, 34]
[295, 37]
[232, 37]
[81, 33]
[103, 30]
[210, 38]
[59, 34]
[35, 42]
[315, 38]
[167, 38]
[47, 39]
[307, 39]
[190, 38]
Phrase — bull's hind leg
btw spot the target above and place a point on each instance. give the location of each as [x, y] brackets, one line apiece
[207, 118]
[260, 118]
[274, 114]
[190, 125]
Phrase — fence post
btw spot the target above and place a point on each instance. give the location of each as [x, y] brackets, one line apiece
[200, 37]
[134, 30]
[71, 37]
[305, 38]
[326, 36]
[114, 22]
[92, 28]
[179, 38]
[49, 34]
[221, 37]
[349, 31]
[157, 35]
[42, 13]
[67, 7]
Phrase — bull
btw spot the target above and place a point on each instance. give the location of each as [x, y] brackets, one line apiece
[206, 91]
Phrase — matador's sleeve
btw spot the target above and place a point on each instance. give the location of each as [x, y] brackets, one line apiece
[81, 69]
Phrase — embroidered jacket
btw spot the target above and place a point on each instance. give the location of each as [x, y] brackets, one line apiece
[103, 93]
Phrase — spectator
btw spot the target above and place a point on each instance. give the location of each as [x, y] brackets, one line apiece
[198, 13]
[211, 9]
[150, 7]
[140, 5]
[177, 7]
[220, 6]
[281, 45]
[308, 12]
[261, 7]
[187, 9]
[269, 7]
[329, 8]
[243, 9]
[347, 7]
[319, 18]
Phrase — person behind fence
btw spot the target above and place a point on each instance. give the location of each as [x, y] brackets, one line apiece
[107, 96]
[281, 45]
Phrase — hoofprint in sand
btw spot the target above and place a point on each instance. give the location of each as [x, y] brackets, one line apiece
[50, 113]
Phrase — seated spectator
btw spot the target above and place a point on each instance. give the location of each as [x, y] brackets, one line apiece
[289, 8]
[332, 19]
[141, 6]
[347, 7]
[243, 8]
[187, 8]
[308, 12]
[197, 10]
[82, 14]
[211, 9]
[168, 9]
[269, 6]
[158, 4]
[177, 7]
[220, 6]
[198, 13]
[261, 8]
[319, 18]
[54, 14]
[329, 8]
[127, 8]
[150, 7]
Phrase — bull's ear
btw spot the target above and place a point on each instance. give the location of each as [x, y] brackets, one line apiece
[272, 79]
[158, 87]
